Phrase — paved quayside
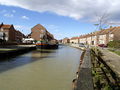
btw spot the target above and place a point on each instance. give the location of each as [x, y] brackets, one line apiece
[112, 59]
[84, 80]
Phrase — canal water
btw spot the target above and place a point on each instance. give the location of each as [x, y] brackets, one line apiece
[40, 70]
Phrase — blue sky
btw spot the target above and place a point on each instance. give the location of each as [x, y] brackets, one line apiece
[58, 19]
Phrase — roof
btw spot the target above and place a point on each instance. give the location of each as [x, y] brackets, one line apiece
[86, 35]
[82, 36]
[100, 32]
[39, 26]
[117, 29]
[66, 38]
[6, 26]
[74, 38]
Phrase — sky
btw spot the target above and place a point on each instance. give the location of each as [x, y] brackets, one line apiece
[62, 18]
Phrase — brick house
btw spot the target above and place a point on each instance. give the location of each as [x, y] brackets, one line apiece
[39, 32]
[9, 32]
[19, 36]
[11, 35]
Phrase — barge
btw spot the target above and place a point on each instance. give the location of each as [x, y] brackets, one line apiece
[42, 45]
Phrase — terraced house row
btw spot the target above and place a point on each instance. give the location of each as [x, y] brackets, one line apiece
[99, 37]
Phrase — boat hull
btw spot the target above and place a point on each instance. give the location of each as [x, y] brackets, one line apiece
[47, 46]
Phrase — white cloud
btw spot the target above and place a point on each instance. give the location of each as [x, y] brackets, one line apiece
[77, 9]
[25, 17]
[8, 15]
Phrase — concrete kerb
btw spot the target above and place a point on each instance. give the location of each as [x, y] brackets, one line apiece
[83, 80]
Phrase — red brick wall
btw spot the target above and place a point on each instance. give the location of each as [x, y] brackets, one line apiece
[37, 30]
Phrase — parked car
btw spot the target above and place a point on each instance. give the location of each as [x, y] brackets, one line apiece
[102, 45]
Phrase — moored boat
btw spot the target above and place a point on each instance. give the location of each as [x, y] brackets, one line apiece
[44, 45]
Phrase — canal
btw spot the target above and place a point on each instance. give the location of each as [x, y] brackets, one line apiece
[40, 70]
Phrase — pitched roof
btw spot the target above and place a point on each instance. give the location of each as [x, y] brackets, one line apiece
[40, 27]
[101, 32]
[66, 38]
[74, 38]
[86, 36]
[6, 26]
[117, 29]
[109, 30]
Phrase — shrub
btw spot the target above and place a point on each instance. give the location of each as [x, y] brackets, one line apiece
[114, 44]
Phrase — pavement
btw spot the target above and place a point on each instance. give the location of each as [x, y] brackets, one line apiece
[84, 80]
[111, 59]
[85, 76]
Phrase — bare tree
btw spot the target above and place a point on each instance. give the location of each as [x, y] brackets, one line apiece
[102, 20]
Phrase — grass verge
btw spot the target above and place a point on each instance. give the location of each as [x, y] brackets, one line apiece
[114, 51]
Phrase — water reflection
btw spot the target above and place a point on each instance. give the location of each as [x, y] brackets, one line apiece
[21, 60]
[40, 70]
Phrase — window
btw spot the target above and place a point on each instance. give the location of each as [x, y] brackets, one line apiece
[111, 35]
[1, 29]
[92, 42]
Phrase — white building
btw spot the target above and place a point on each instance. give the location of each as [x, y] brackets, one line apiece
[74, 40]
[93, 40]
[83, 40]
[101, 37]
